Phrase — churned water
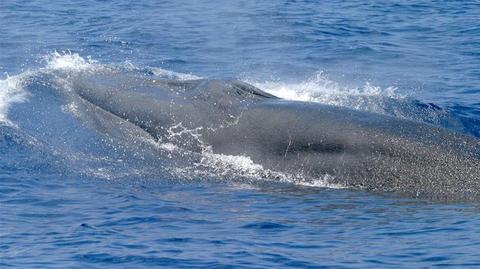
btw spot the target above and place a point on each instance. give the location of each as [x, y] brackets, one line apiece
[72, 198]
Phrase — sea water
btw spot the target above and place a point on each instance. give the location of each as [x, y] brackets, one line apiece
[73, 198]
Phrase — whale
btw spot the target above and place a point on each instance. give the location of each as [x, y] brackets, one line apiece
[356, 149]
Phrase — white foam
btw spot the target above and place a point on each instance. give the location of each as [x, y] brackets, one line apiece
[321, 89]
[244, 167]
[12, 87]
[167, 146]
[72, 62]
[163, 73]
[324, 182]
[71, 108]
[11, 91]
[223, 164]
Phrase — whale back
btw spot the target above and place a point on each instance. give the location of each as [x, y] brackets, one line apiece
[308, 140]
[157, 103]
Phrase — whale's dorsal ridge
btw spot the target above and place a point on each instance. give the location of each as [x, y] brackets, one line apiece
[231, 90]
[248, 88]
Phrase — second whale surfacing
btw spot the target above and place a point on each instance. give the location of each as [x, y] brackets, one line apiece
[356, 149]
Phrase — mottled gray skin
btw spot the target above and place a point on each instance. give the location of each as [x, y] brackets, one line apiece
[359, 149]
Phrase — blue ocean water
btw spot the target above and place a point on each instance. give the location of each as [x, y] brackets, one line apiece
[72, 198]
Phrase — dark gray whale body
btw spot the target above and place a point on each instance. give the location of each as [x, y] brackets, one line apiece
[357, 149]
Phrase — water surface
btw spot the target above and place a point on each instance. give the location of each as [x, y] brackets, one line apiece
[71, 198]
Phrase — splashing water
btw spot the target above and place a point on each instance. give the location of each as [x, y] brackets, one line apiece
[72, 62]
[11, 91]
[320, 89]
